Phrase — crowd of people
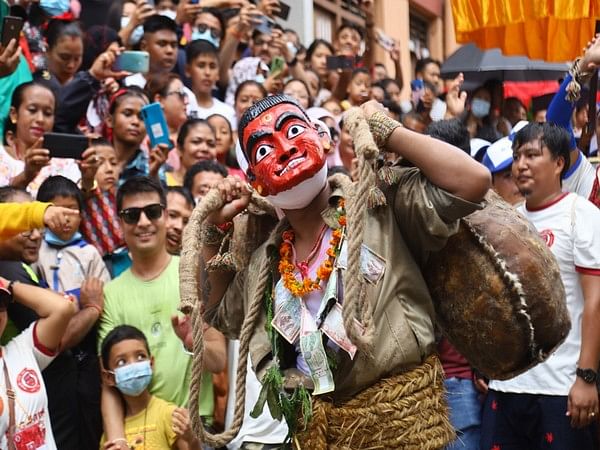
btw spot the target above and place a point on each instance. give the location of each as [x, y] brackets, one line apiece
[95, 352]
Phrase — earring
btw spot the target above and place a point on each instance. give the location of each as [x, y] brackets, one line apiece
[13, 120]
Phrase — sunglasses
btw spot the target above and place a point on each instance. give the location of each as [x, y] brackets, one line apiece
[181, 93]
[131, 216]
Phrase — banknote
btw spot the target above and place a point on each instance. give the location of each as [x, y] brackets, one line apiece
[372, 266]
[333, 327]
[311, 346]
[287, 318]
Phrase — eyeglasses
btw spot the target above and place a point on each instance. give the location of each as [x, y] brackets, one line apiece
[27, 234]
[181, 93]
[131, 216]
[214, 32]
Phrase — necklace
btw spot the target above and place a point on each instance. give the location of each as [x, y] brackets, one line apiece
[286, 266]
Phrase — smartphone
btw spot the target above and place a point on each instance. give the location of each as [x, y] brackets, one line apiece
[340, 62]
[11, 29]
[265, 26]
[133, 61]
[284, 11]
[156, 125]
[63, 145]
[194, 2]
[277, 65]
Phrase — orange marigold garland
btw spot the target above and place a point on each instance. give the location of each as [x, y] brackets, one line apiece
[286, 266]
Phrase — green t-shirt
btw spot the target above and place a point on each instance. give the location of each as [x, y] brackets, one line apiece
[148, 306]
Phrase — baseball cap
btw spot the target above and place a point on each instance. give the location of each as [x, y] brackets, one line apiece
[499, 155]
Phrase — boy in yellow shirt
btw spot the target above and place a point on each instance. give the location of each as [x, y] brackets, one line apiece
[150, 422]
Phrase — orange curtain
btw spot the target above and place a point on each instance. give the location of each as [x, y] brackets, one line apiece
[551, 30]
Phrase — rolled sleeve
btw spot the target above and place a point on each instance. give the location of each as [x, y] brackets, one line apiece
[426, 213]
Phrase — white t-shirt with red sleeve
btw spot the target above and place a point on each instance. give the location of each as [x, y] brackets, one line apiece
[25, 358]
[569, 225]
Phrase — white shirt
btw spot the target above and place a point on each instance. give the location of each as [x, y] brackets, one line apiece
[219, 107]
[569, 227]
[137, 79]
[25, 358]
[264, 429]
[581, 177]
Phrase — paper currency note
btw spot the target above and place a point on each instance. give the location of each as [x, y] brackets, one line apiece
[311, 346]
[333, 327]
[287, 320]
[372, 266]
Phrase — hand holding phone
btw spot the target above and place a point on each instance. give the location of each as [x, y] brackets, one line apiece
[132, 61]
[277, 66]
[11, 29]
[156, 125]
[9, 58]
[64, 145]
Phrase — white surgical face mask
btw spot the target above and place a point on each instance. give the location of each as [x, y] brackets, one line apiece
[480, 108]
[207, 36]
[168, 13]
[302, 194]
[136, 34]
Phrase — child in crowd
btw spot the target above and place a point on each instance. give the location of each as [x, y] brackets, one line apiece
[203, 69]
[99, 224]
[66, 259]
[150, 422]
[202, 176]
[359, 89]
[225, 144]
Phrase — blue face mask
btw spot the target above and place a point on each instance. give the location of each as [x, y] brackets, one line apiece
[136, 34]
[206, 35]
[260, 78]
[133, 379]
[55, 7]
[480, 108]
[53, 239]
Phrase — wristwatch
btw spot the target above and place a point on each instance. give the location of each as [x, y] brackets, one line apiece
[588, 375]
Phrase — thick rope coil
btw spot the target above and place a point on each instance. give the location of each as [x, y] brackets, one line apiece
[355, 307]
[190, 303]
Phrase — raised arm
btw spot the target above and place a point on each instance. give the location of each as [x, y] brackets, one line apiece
[53, 310]
[442, 164]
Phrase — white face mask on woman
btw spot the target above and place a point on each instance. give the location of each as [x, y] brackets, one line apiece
[480, 107]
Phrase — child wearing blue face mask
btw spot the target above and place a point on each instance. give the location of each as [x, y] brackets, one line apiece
[66, 260]
[150, 423]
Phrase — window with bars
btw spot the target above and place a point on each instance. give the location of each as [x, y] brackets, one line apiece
[419, 28]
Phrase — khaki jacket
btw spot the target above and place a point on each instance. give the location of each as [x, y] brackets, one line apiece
[418, 220]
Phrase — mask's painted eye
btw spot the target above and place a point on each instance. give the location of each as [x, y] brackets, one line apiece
[295, 130]
[262, 151]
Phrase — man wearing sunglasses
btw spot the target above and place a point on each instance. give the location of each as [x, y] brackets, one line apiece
[146, 296]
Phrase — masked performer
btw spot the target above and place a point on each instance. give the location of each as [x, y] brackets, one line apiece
[387, 393]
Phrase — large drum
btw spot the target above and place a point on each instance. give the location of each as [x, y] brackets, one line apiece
[497, 292]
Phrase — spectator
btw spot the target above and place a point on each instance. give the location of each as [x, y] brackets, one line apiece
[208, 26]
[128, 366]
[196, 142]
[23, 163]
[65, 50]
[247, 93]
[428, 70]
[203, 69]
[30, 352]
[180, 205]
[359, 89]
[168, 90]
[225, 144]
[299, 90]
[202, 176]
[514, 111]
[530, 408]
[479, 120]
